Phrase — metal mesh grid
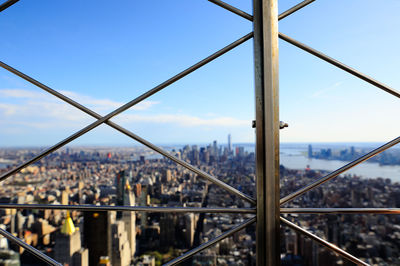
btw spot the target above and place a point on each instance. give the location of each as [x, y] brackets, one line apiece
[105, 120]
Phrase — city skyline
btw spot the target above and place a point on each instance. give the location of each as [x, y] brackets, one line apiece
[317, 100]
[94, 177]
[99, 198]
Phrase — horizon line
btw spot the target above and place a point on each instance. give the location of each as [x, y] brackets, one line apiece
[118, 145]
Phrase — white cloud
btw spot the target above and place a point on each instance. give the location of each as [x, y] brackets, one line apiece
[106, 104]
[183, 120]
[144, 105]
[40, 110]
[94, 103]
[322, 92]
[8, 109]
[18, 93]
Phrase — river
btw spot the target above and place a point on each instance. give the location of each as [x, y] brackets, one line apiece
[293, 156]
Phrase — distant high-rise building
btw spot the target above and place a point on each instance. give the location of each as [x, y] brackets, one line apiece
[64, 197]
[129, 218]
[121, 251]
[310, 153]
[168, 222]
[190, 224]
[167, 176]
[215, 149]
[120, 183]
[126, 197]
[195, 158]
[81, 185]
[352, 151]
[97, 235]
[240, 152]
[229, 143]
[68, 249]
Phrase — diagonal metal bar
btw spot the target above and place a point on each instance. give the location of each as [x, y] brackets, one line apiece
[340, 65]
[130, 134]
[339, 171]
[7, 4]
[294, 9]
[29, 248]
[311, 50]
[324, 243]
[125, 208]
[233, 9]
[210, 243]
[50, 90]
[135, 101]
[250, 17]
[341, 210]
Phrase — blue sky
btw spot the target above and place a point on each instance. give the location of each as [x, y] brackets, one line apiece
[104, 55]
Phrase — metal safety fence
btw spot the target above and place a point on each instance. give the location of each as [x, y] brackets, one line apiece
[266, 207]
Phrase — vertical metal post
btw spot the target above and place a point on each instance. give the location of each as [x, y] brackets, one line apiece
[267, 130]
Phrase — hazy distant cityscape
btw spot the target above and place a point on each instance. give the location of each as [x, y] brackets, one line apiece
[126, 176]
[137, 176]
[192, 99]
[390, 157]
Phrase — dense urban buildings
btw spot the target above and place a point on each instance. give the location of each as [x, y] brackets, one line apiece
[373, 238]
[129, 177]
[137, 176]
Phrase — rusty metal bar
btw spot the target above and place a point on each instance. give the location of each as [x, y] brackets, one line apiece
[125, 208]
[198, 249]
[324, 242]
[7, 4]
[29, 248]
[339, 171]
[341, 210]
[340, 65]
[128, 133]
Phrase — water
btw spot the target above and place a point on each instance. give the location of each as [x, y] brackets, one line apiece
[294, 156]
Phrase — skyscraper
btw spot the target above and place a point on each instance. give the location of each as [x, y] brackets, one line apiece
[215, 149]
[120, 182]
[97, 235]
[229, 143]
[126, 197]
[129, 218]
[68, 249]
[121, 251]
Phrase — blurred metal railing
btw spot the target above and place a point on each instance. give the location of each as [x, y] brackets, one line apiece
[267, 205]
